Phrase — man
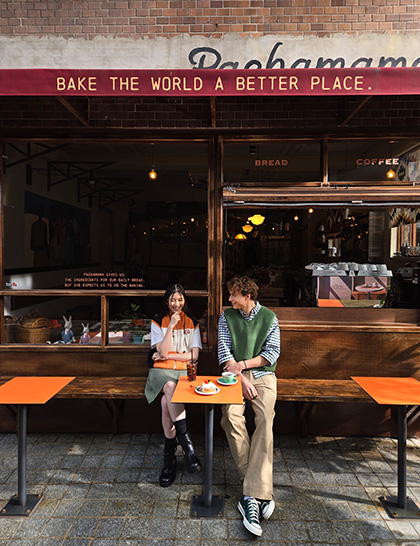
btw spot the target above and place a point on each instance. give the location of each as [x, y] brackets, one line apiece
[249, 346]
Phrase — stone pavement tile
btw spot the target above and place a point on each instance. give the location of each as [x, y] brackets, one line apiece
[282, 494]
[83, 475]
[164, 528]
[293, 531]
[348, 530]
[30, 528]
[280, 479]
[8, 527]
[323, 478]
[187, 529]
[388, 479]
[92, 461]
[104, 542]
[346, 478]
[127, 475]
[296, 465]
[163, 509]
[369, 480]
[18, 542]
[302, 478]
[109, 528]
[122, 490]
[136, 528]
[97, 490]
[321, 531]
[338, 510]
[313, 511]
[159, 542]
[402, 530]
[49, 542]
[106, 475]
[134, 542]
[77, 491]
[288, 511]
[375, 530]
[45, 508]
[83, 527]
[54, 491]
[57, 527]
[117, 508]
[237, 531]
[365, 510]
[90, 508]
[214, 529]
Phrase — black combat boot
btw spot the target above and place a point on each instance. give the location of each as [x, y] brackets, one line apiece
[167, 476]
[192, 463]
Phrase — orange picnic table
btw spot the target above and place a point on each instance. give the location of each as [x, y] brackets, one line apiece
[400, 392]
[22, 391]
[207, 504]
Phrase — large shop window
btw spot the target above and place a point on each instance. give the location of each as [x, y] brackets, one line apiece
[91, 217]
[327, 257]
[325, 223]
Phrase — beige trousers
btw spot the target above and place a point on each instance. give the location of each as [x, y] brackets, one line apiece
[254, 457]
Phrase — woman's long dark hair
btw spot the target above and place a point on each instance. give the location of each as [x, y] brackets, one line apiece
[172, 289]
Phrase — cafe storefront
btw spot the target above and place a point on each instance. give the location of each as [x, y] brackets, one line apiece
[306, 180]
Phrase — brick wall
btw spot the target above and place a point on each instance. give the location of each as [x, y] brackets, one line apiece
[136, 18]
[318, 113]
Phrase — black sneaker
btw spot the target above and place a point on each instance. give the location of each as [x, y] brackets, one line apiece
[250, 511]
[266, 508]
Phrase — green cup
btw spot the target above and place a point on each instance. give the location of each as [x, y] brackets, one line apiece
[228, 377]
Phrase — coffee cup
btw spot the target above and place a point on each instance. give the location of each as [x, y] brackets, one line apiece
[228, 377]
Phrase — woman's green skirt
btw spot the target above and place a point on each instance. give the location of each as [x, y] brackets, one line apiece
[156, 380]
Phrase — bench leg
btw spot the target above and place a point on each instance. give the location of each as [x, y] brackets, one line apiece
[304, 411]
[115, 408]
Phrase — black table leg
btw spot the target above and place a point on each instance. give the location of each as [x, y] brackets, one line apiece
[401, 506]
[21, 504]
[207, 505]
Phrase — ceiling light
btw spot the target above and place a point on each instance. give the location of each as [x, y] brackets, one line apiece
[247, 228]
[390, 174]
[153, 173]
[310, 211]
[240, 236]
[257, 219]
[296, 218]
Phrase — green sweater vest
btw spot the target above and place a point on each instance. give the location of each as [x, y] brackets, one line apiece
[249, 336]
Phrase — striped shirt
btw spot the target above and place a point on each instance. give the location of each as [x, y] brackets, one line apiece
[270, 350]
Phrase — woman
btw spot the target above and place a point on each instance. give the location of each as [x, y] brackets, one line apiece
[175, 339]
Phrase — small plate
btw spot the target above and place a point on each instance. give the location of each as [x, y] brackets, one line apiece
[197, 390]
[225, 384]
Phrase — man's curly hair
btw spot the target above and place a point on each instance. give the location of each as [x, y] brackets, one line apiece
[244, 285]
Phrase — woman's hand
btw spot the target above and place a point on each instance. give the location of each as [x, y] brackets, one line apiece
[156, 356]
[248, 390]
[174, 320]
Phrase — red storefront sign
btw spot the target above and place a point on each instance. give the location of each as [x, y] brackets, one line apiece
[196, 83]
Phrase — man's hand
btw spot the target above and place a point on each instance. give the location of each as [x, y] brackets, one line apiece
[248, 389]
[234, 367]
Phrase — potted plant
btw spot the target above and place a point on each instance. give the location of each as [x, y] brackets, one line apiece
[133, 324]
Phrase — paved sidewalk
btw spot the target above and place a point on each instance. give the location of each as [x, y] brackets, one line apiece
[102, 490]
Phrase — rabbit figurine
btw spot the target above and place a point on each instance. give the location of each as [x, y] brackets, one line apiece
[85, 337]
[67, 334]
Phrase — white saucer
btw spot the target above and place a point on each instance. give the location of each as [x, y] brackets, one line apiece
[207, 393]
[224, 383]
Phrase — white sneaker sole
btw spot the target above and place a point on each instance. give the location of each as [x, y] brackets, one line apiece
[268, 512]
[252, 528]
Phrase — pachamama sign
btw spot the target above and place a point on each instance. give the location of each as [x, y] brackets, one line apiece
[179, 83]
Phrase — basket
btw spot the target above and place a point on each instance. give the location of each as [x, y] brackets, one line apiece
[9, 328]
[32, 328]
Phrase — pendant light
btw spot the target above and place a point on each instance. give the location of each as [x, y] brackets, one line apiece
[152, 173]
[257, 219]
